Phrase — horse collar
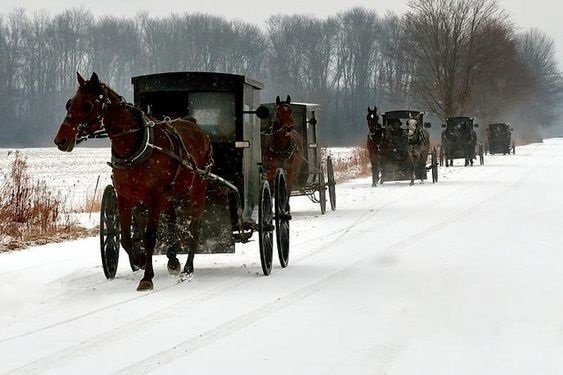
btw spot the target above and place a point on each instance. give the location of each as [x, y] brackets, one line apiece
[284, 154]
[142, 154]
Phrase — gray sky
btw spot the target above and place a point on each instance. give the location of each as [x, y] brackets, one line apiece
[543, 14]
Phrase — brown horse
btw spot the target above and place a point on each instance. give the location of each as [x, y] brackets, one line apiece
[283, 148]
[375, 141]
[152, 165]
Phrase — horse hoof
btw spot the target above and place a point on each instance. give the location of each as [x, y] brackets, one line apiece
[185, 276]
[144, 286]
[173, 267]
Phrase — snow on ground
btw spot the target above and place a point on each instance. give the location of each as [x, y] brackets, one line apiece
[460, 277]
[73, 175]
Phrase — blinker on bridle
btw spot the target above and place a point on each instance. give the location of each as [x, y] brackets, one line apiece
[102, 100]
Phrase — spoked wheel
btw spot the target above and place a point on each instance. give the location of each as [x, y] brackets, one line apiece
[109, 232]
[282, 217]
[265, 228]
[434, 161]
[481, 155]
[331, 183]
[322, 191]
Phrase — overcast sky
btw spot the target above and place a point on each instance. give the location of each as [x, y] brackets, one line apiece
[544, 14]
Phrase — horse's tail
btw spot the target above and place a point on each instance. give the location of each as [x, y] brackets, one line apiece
[208, 157]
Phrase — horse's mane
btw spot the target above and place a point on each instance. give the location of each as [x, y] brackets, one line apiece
[137, 112]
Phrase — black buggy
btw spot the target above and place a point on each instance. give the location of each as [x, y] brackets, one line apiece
[459, 141]
[499, 139]
[239, 201]
[311, 180]
[399, 148]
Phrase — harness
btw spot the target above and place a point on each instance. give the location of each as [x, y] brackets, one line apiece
[143, 153]
[178, 150]
[286, 154]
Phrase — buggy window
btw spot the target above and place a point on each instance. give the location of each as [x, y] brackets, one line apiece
[215, 114]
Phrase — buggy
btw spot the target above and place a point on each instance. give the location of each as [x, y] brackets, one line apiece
[311, 178]
[405, 149]
[459, 141]
[499, 139]
[239, 201]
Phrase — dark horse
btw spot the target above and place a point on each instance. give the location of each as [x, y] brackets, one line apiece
[419, 146]
[375, 141]
[152, 165]
[283, 148]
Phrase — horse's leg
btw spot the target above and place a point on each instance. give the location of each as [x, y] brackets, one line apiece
[151, 216]
[374, 172]
[125, 208]
[173, 245]
[413, 169]
[197, 199]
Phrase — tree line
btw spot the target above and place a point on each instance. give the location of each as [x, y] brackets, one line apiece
[447, 57]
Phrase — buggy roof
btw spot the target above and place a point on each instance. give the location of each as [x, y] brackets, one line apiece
[192, 81]
[403, 113]
[309, 106]
[459, 118]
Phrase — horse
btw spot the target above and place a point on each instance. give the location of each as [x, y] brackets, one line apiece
[469, 148]
[457, 137]
[450, 138]
[283, 147]
[375, 144]
[153, 164]
[419, 146]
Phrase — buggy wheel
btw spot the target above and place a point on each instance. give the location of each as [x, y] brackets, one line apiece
[109, 232]
[322, 191]
[434, 161]
[331, 183]
[265, 228]
[282, 217]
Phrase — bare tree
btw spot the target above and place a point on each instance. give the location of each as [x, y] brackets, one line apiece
[442, 35]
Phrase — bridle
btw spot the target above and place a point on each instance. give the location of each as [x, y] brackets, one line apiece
[284, 128]
[373, 122]
[103, 102]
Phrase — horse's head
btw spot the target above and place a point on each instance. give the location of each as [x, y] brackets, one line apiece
[284, 115]
[373, 120]
[84, 113]
[412, 127]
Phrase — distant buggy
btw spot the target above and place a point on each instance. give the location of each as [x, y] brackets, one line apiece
[499, 139]
[459, 141]
[311, 178]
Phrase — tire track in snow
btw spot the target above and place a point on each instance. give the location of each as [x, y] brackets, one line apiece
[87, 345]
[240, 322]
[193, 344]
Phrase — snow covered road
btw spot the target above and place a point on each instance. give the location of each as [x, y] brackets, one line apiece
[461, 277]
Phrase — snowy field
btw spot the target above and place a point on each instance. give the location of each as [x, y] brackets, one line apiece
[460, 277]
[73, 175]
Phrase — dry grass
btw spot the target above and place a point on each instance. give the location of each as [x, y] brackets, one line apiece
[29, 213]
[354, 165]
[92, 201]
